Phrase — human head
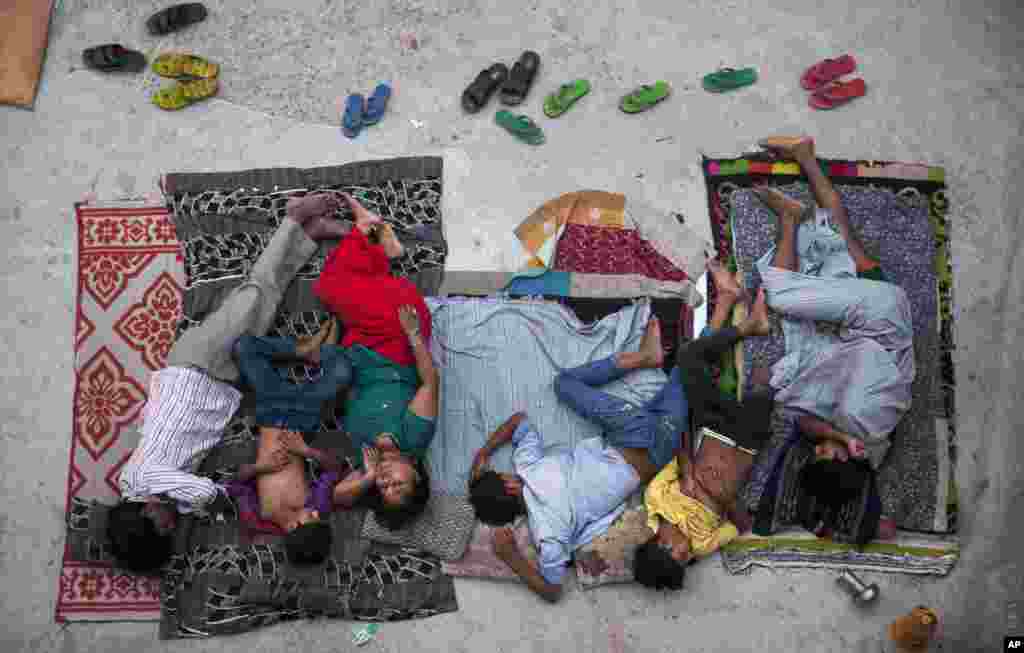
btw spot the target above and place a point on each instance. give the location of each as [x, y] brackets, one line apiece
[496, 498]
[309, 543]
[402, 492]
[834, 481]
[660, 562]
[140, 535]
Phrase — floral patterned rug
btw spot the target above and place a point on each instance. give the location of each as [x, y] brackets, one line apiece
[128, 300]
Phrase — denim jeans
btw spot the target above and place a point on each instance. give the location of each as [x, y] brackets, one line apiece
[657, 426]
[279, 401]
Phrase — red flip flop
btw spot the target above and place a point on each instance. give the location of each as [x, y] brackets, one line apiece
[825, 71]
[837, 93]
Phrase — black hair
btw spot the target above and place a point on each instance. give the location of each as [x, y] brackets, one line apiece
[394, 518]
[134, 541]
[492, 505]
[654, 567]
[834, 482]
[309, 544]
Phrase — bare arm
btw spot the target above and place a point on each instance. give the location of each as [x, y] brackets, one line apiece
[505, 547]
[424, 402]
[294, 443]
[500, 437]
[818, 429]
[350, 489]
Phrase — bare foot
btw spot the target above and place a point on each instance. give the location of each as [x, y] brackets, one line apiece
[650, 345]
[757, 322]
[325, 228]
[363, 218]
[308, 347]
[724, 280]
[795, 148]
[787, 209]
[393, 248]
[304, 209]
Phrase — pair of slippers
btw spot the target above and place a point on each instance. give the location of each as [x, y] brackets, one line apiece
[113, 57]
[515, 84]
[555, 104]
[360, 112]
[827, 90]
[197, 80]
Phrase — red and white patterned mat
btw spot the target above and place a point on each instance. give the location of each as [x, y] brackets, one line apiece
[130, 279]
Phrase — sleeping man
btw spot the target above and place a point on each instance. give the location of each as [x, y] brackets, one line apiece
[572, 497]
[192, 399]
[850, 390]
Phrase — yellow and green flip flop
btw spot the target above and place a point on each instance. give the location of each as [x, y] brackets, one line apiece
[181, 94]
[178, 66]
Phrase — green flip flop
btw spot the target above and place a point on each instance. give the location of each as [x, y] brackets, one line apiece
[645, 97]
[555, 104]
[520, 126]
[727, 79]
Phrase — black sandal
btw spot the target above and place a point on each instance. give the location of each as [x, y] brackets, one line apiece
[480, 90]
[521, 79]
[112, 57]
[175, 17]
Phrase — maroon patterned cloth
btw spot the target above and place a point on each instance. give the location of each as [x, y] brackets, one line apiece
[609, 250]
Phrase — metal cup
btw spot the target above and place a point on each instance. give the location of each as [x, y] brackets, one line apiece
[861, 593]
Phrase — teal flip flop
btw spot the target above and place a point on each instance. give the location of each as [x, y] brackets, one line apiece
[520, 126]
[728, 79]
[645, 97]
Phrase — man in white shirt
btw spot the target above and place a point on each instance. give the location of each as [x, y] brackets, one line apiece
[192, 399]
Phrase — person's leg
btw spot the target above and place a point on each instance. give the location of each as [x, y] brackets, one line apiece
[577, 386]
[251, 307]
[790, 213]
[254, 356]
[802, 151]
[704, 400]
[336, 374]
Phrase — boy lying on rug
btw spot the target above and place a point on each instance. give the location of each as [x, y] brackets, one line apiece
[392, 406]
[852, 390]
[572, 497]
[192, 399]
[692, 508]
[274, 494]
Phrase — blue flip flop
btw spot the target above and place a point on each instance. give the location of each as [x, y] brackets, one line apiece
[377, 104]
[352, 121]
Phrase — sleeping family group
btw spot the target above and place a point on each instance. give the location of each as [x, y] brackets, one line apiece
[690, 446]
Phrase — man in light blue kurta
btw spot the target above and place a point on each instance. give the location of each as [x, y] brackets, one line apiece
[854, 385]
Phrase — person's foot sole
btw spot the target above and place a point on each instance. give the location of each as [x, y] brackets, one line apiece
[324, 228]
[783, 206]
[650, 345]
[789, 147]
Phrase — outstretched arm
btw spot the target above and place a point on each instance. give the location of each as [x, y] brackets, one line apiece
[500, 437]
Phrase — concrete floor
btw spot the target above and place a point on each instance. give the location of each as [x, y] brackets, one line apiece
[944, 88]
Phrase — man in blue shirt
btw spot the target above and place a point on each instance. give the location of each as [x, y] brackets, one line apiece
[572, 497]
